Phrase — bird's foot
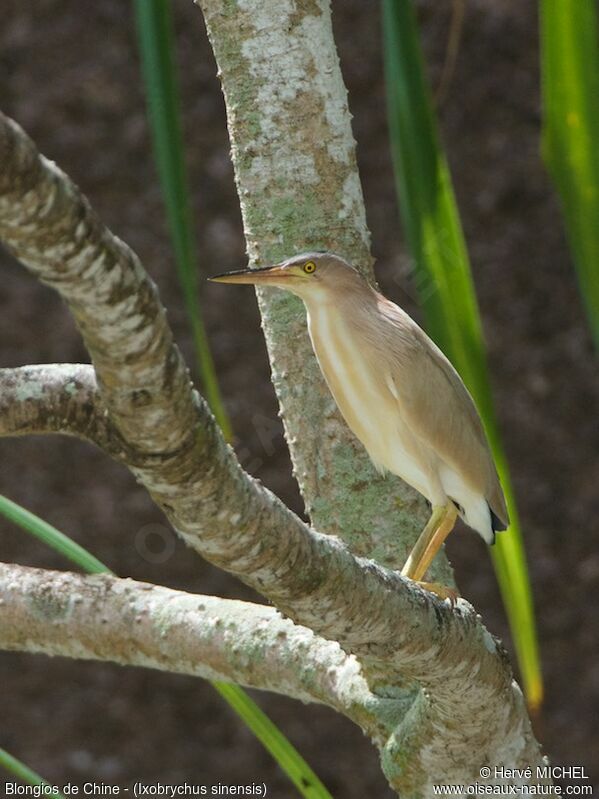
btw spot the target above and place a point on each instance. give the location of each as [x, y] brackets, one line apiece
[441, 591]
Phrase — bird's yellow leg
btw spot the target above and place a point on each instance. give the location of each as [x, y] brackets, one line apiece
[439, 526]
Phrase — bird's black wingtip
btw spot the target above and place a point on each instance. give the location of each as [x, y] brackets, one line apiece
[497, 525]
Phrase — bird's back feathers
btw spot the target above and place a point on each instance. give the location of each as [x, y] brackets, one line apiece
[440, 410]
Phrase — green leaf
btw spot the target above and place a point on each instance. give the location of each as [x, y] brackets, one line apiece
[284, 753]
[442, 275]
[292, 763]
[50, 536]
[570, 143]
[23, 772]
[155, 36]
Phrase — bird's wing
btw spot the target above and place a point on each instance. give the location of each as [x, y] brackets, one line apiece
[438, 408]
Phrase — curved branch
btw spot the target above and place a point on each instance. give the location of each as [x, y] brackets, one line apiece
[56, 398]
[48, 224]
[136, 624]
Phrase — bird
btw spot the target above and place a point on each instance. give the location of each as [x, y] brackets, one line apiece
[400, 396]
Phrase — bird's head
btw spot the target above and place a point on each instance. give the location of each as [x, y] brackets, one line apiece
[309, 275]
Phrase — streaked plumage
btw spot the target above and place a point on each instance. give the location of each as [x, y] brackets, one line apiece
[395, 388]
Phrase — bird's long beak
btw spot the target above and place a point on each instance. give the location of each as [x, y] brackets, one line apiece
[264, 276]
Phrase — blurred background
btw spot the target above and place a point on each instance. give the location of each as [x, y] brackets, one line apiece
[70, 76]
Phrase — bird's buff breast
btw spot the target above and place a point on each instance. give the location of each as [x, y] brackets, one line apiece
[367, 405]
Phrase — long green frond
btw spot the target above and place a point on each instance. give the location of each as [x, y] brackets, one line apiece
[50, 536]
[288, 758]
[442, 275]
[22, 772]
[570, 144]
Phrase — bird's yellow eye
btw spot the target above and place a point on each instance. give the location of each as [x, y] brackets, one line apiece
[309, 267]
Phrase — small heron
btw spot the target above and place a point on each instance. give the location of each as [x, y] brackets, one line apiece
[399, 395]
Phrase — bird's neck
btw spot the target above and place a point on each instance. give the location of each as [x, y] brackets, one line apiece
[355, 300]
[338, 326]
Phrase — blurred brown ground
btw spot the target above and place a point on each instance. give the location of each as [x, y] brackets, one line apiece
[69, 75]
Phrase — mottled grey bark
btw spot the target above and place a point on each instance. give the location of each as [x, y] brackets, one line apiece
[465, 710]
[56, 398]
[299, 189]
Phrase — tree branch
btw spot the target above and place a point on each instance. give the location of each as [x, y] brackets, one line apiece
[51, 228]
[137, 624]
[56, 398]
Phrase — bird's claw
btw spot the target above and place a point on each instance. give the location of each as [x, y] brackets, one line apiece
[442, 591]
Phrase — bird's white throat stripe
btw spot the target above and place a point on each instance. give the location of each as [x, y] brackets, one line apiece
[345, 370]
[347, 373]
